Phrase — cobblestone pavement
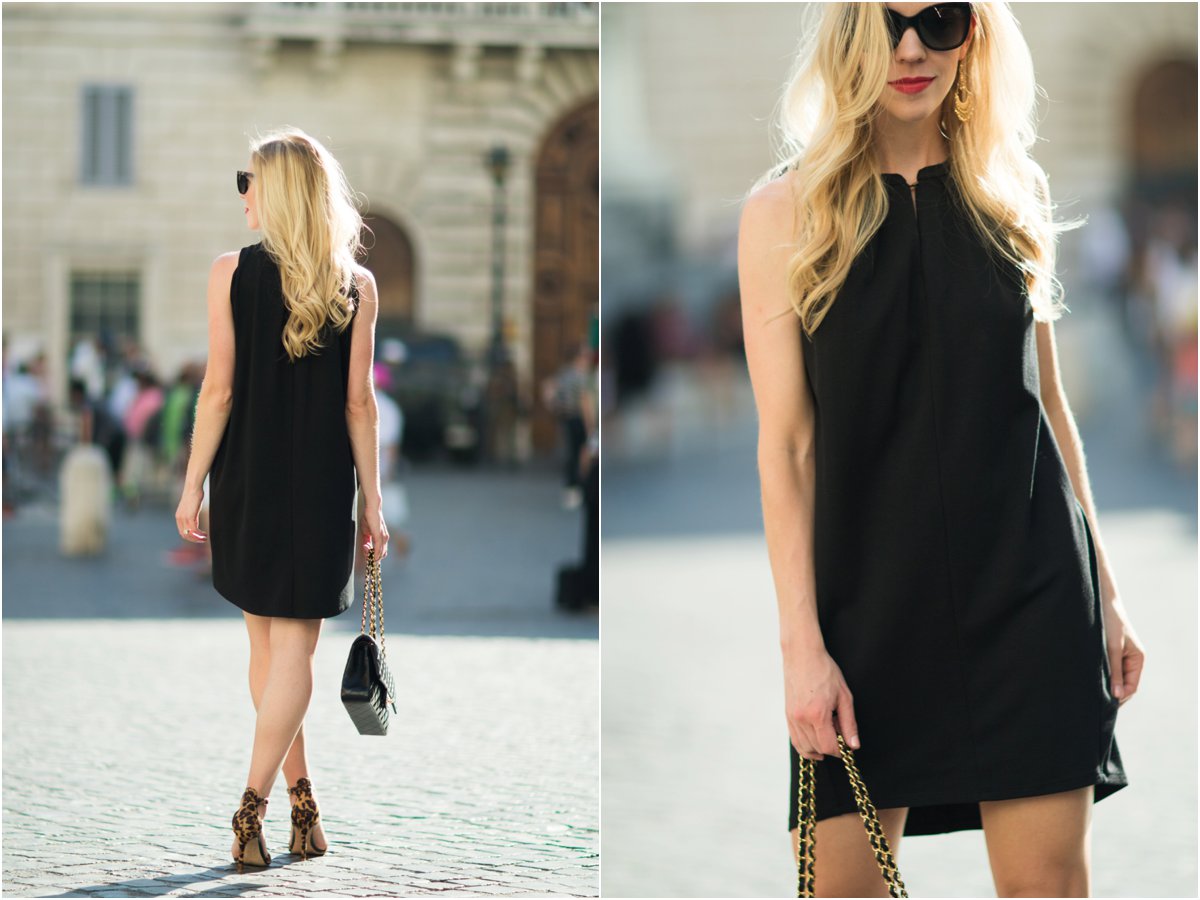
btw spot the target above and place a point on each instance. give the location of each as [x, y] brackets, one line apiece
[695, 754]
[121, 779]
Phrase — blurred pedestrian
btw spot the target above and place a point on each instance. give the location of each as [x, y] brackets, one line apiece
[561, 395]
[39, 437]
[87, 365]
[178, 412]
[286, 434]
[96, 424]
[9, 506]
[86, 477]
[174, 448]
[940, 576]
[391, 439]
[125, 384]
[141, 424]
[589, 466]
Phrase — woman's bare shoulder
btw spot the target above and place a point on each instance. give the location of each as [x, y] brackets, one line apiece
[364, 280]
[771, 208]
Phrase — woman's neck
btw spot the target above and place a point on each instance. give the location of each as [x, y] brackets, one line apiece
[906, 148]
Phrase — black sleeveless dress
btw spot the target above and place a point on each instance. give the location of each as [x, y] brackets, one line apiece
[283, 483]
[956, 578]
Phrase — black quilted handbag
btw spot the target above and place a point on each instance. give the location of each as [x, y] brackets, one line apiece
[367, 685]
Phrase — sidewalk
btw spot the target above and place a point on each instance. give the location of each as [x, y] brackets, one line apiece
[128, 717]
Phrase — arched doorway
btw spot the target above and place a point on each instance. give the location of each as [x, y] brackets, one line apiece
[389, 256]
[1164, 133]
[566, 265]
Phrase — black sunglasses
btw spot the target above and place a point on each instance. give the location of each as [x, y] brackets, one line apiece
[943, 26]
[244, 181]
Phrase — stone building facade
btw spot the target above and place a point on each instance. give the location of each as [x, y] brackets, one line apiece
[124, 124]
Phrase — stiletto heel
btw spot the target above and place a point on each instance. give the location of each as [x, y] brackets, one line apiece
[247, 826]
[304, 819]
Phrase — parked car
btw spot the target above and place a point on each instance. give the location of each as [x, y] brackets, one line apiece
[440, 389]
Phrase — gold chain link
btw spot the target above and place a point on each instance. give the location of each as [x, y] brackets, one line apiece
[366, 591]
[807, 827]
[806, 864]
[373, 597]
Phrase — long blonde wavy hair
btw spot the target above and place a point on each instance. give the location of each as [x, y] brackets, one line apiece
[826, 128]
[311, 229]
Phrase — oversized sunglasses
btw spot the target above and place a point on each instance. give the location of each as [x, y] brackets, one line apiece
[943, 26]
[244, 181]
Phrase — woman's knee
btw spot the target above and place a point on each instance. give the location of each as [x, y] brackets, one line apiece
[258, 628]
[295, 637]
[1039, 846]
[1045, 880]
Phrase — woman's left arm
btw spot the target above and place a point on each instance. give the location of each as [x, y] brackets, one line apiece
[215, 400]
[1125, 653]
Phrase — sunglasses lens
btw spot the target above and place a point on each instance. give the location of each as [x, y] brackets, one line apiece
[944, 27]
[895, 27]
[243, 183]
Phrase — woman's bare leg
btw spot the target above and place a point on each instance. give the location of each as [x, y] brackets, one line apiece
[1040, 846]
[285, 697]
[295, 764]
[281, 652]
[845, 862]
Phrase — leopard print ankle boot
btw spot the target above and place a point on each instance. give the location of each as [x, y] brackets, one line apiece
[252, 849]
[304, 817]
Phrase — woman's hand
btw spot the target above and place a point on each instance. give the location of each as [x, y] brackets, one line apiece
[187, 515]
[814, 691]
[373, 529]
[1125, 653]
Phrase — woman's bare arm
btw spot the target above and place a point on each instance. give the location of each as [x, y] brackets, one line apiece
[214, 403]
[1127, 656]
[362, 410]
[1066, 433]
[814, 687]
[785, 410]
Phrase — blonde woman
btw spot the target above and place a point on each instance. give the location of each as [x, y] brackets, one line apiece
[945, 601]
[288, 423]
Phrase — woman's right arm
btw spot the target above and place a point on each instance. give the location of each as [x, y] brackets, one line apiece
[362, 414]
[813, 684]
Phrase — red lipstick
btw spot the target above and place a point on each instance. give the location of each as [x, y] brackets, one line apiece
[910, 85]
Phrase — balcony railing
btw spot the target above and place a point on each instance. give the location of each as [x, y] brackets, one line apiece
[484, 24]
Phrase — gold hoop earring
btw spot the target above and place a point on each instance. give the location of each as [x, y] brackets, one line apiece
[964, 100]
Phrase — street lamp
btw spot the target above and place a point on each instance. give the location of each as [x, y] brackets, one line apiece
[500, 406]
[497, 162]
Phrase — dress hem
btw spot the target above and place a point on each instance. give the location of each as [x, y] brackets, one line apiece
[275, 615]
[963, 814]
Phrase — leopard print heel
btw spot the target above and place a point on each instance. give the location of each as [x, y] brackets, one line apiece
[252, 849]
[304, 818]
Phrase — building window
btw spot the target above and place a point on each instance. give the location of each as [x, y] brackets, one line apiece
[107, 155]
[104, 305]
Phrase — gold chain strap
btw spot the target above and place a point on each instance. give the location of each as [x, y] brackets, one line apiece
[373, 597]
[807, 830]
[806, 864]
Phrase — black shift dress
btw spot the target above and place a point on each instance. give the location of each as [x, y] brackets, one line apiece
[956, 579]
[283, 483]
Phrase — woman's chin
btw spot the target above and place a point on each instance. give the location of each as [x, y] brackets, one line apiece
[911, 115]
